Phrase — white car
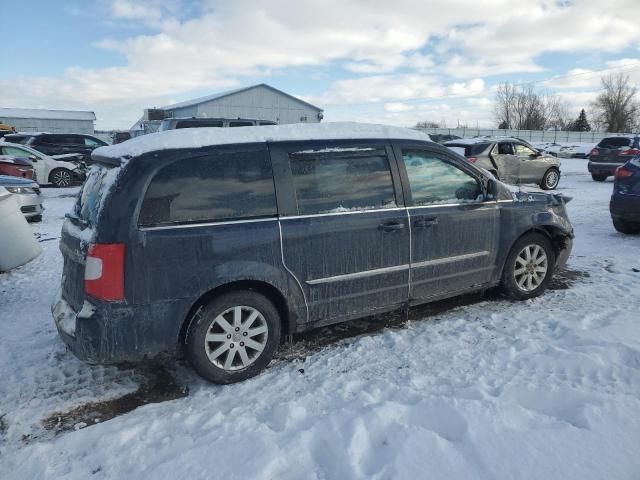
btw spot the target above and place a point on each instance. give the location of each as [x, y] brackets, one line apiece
[46, 169]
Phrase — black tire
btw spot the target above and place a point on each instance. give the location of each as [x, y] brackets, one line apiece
[629, 228]
[599, 177]
[508, 285]
[204, 323]
[61, 177]
[550, 179]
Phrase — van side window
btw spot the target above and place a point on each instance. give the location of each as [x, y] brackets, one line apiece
[434, 181]
[336, 181]
[210, 188]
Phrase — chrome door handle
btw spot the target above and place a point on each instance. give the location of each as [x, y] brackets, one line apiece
[425, 222]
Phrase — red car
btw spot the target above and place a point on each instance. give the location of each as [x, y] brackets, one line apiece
[16, 166]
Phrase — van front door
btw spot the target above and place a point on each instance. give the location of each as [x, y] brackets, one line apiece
[454, 231]
[344, 228]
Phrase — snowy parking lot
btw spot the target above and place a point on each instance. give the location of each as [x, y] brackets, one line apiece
[485, 389]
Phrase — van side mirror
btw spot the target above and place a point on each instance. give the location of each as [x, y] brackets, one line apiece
[489, 189]
[33, 158]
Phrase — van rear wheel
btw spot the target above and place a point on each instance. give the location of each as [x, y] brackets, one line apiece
[529, 267]
[234, 337]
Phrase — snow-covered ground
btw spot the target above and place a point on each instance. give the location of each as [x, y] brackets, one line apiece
[545, 389]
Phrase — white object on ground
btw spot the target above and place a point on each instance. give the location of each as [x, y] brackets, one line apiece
[17, 243]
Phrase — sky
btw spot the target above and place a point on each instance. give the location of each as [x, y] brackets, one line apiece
[395, 62]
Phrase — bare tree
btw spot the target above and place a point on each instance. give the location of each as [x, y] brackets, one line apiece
[616, 107]
[427, 124]
[524, 108]
[504, 104]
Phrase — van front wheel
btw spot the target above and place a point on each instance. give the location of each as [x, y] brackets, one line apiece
[529, 267]
[234, 337]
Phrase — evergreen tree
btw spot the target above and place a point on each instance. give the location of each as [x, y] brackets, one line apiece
[581, 124]
[503, 125]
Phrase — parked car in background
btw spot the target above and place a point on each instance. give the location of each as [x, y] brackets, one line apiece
[119, 137]
[611, 153]
[511, 160]
[27, 193]
[47, 170]
[625, 200]
[191, 251]
[442, 137]
[17, 242]
[16, 166]
[178, 123]
[58, 143]
[6, 129]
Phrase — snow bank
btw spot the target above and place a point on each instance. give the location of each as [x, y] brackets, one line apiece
[203, 137]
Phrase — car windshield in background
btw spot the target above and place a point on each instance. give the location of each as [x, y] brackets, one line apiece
[615, 142]
[198, 123]
[21, 139]
[470, 150]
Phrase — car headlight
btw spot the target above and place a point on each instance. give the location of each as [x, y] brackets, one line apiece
[20, 189]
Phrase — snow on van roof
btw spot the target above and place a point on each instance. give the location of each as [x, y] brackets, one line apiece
[205, 137]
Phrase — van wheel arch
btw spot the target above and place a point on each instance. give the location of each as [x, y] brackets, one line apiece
[266, 289]
[555, 235]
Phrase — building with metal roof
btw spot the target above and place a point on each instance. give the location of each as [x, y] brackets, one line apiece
[53, 121]
[260, 102]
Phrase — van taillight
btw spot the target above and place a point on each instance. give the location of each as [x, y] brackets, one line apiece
[104, 271]
[595, 151]
[472, 159]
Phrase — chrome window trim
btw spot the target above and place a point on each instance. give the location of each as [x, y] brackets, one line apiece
[436, 205]
[455, 258]
[313, 215]
[208, 224]
[363, 274]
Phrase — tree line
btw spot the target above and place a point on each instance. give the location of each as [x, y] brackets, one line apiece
[523, 107]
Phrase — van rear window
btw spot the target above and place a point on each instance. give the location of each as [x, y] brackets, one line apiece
[226, 186]
[99, 180]
[470, 150]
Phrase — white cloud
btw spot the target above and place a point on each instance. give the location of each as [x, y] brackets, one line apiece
[412, 43]
[582, 78]
[397, 107]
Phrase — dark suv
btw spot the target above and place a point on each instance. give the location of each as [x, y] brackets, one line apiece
[58, 143]
[611, 153]
[219, 242]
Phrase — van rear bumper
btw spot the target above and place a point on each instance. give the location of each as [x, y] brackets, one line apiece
[107, 333]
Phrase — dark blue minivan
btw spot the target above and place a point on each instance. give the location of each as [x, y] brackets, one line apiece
[216, 243]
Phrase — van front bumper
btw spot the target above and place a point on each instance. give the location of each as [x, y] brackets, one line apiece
[106, 333]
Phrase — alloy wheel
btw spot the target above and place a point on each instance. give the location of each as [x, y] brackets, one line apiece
[236, 338]
[552, 179]
[530, 268]
[62, 178]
